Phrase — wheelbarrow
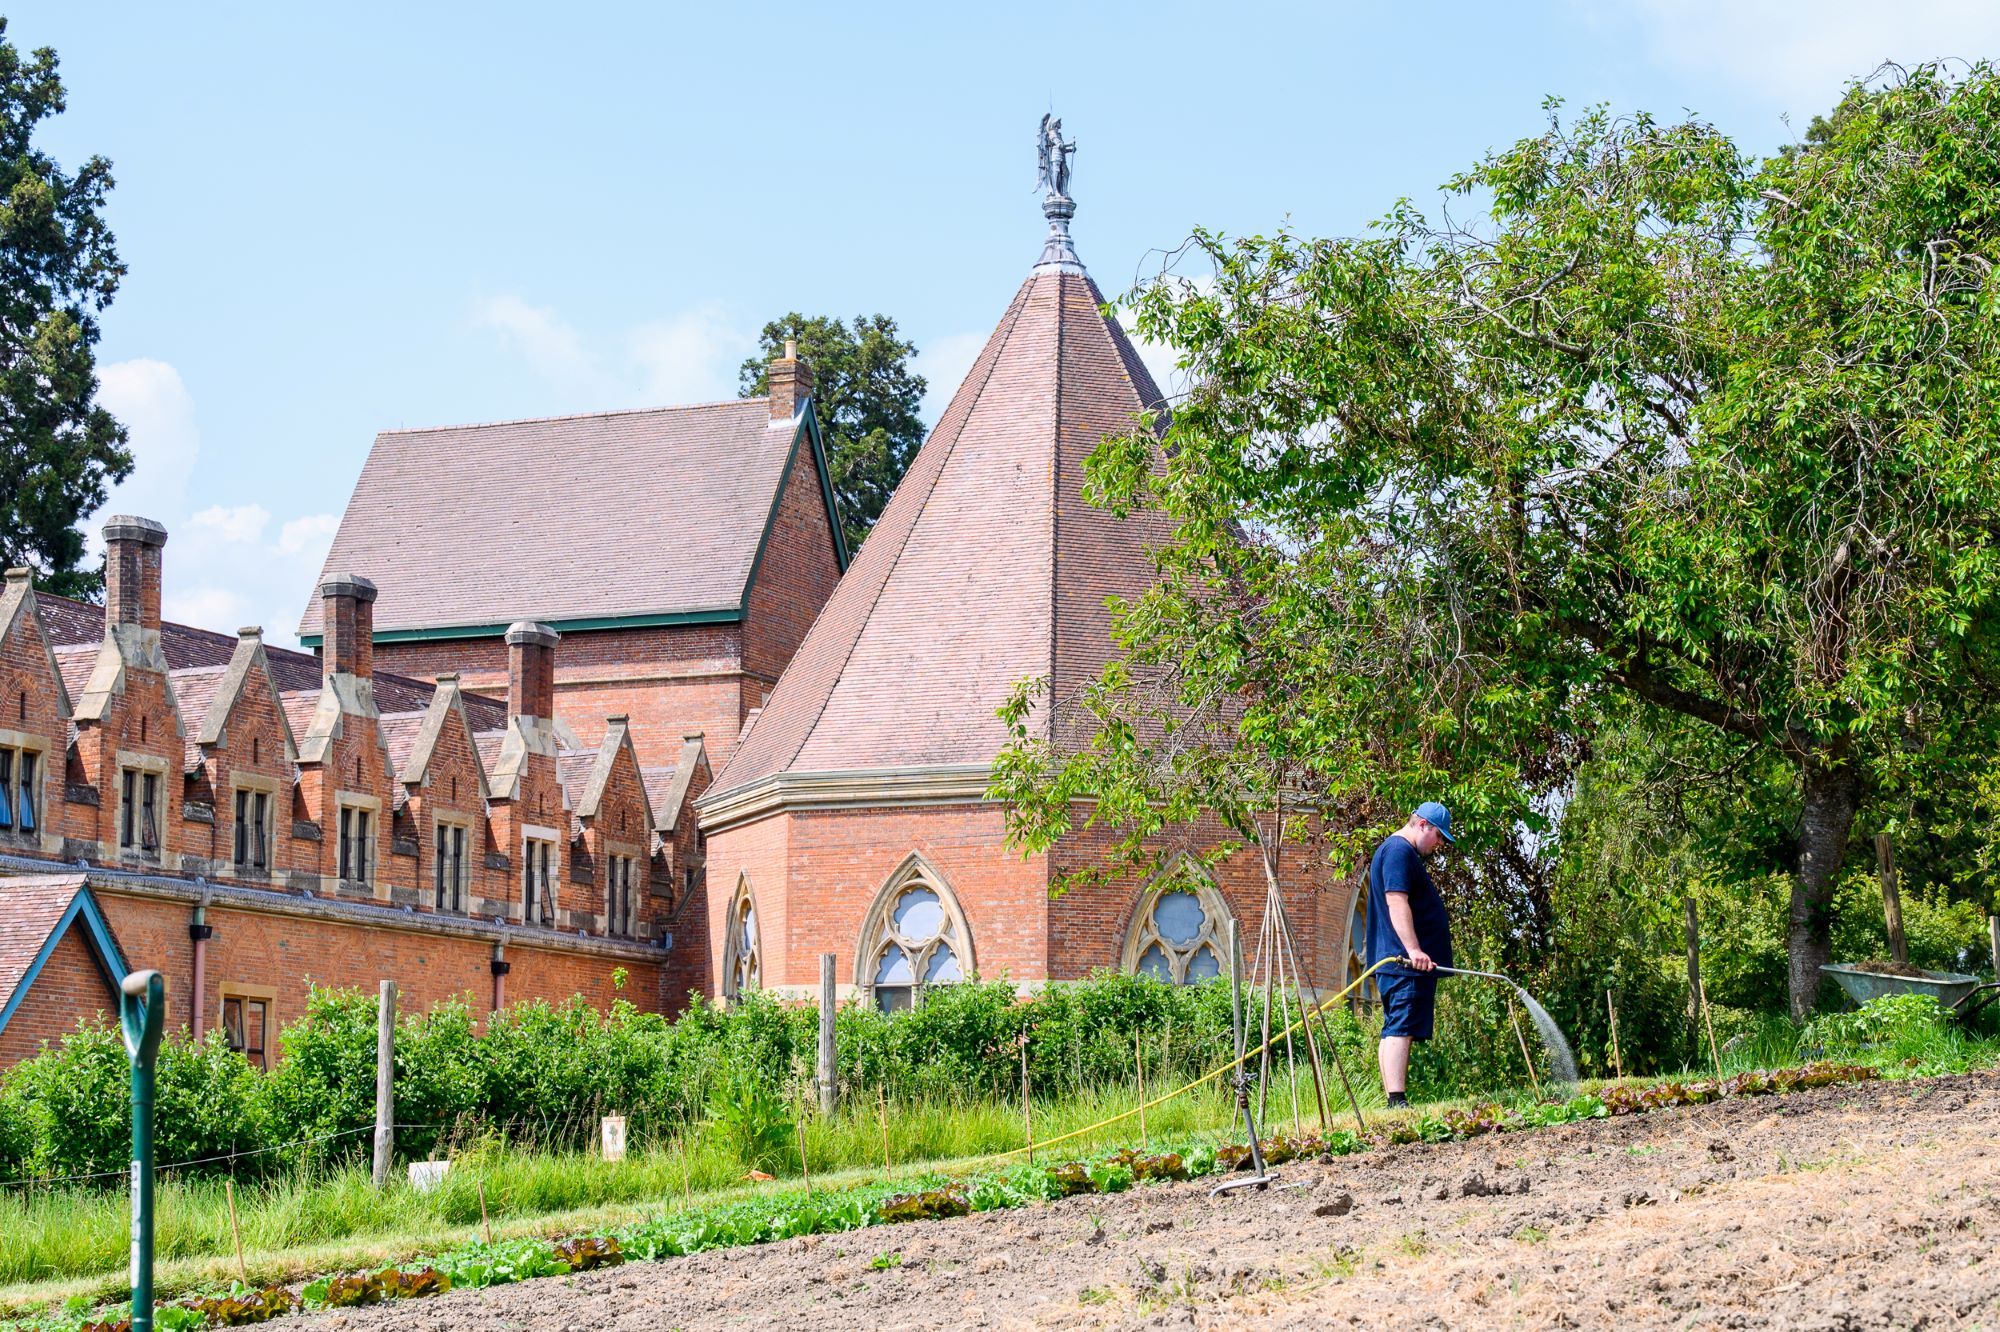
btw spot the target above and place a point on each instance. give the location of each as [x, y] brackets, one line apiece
[1962, 996]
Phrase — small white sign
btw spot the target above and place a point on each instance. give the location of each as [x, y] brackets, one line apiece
[425, 1176]
[614, 1137]
[137, 1227]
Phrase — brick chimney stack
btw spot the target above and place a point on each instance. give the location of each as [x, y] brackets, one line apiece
[347, 616]
[791, 383]
[132, 571]
[531, 670]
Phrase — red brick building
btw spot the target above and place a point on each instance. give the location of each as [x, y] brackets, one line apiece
[721, 517]
[518, 768]
[851, 817]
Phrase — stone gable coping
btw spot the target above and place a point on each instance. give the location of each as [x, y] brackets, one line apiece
[249, 657]
[17, 600]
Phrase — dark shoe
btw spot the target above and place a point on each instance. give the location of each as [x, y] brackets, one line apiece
[1399, 1101]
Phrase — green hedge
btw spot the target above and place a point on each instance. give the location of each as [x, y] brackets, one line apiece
[542, 1074]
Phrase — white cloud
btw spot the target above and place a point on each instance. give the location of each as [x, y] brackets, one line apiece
[692, 357]
[311, 535]
[552, 348]
[158, 414]
[246, 522]
[1801, 56]
[222, 569]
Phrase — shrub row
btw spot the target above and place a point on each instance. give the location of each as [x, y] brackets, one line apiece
[542, 1074]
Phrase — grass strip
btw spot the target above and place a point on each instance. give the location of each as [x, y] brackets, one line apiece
[787, 1212]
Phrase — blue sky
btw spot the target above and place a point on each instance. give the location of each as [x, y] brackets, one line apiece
[341, 219]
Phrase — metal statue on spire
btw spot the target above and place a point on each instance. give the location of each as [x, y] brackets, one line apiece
[1054, 155]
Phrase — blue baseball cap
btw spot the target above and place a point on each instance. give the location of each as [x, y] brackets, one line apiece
[1438, 817]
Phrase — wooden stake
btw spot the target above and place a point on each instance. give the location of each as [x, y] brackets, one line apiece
[882, 1110]
[1993, 934]
[1892, 900]
[828, 1056]
[804, 1169]
[235, 1232]
[687, 1176]
[385, 1082]
[1534, 1081]
[1617, 1064]
[1709, 1018]
[485, 1222]
[1139, 1067]
[1027, 1105]
[1694, 971]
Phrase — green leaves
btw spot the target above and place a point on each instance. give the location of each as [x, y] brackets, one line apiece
[1634, 418]
[59, 268]
[867, 400]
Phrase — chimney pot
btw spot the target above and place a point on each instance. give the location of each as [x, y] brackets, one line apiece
[347, 615]
[791, 383]
[132, 570]
[531, 670]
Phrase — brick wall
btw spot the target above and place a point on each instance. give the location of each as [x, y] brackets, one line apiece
[141, 728]
[667, 680]
[69, 987]
[31, 717]
[796, 574]
[286, 956]
[816, 874]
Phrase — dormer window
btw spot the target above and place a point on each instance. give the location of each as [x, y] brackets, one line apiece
[20, 799]
[357, 844]
[618, 895]
[138, 812]
[538, 892]
[449, 868]
[253, 830]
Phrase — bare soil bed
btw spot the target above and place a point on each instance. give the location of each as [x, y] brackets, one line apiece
[1870, 1206]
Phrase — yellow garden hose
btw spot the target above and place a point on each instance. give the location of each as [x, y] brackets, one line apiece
[1209, 1076]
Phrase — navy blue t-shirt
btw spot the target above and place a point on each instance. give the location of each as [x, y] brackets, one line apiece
[1397, 868]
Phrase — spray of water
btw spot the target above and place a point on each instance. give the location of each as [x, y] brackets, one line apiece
[1562, 1063]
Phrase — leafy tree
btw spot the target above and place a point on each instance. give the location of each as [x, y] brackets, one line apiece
[1666, 427]
[59, 268]
[867, 400]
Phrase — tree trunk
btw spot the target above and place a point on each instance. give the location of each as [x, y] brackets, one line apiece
[1832, 793]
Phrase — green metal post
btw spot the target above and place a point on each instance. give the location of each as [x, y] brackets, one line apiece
[142, 1011]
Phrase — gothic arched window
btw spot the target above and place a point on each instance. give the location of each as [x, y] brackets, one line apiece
[1180, 931]
[743, 950]
[915, 936]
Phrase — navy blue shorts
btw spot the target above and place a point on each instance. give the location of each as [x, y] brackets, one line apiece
[1409, 1004]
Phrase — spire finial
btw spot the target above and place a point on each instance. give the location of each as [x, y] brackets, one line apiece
[1058, 254]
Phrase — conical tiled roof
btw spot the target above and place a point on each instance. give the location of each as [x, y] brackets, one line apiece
[986, 568]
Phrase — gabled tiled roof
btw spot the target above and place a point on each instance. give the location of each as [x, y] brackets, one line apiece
[31, 907]
[986, 568]
[194, 694]
[399, 732]
[482, 525]
[76, 629]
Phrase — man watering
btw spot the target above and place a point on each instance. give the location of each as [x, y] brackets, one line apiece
[1406, 917]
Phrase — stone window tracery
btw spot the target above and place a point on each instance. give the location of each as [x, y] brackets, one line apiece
[1179, 932]
[743, 952]
[915, 936]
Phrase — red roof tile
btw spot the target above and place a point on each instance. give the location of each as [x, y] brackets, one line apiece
[986, 568]
[76, 629]
[194, 694]
[30, 906]
[453, 530]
